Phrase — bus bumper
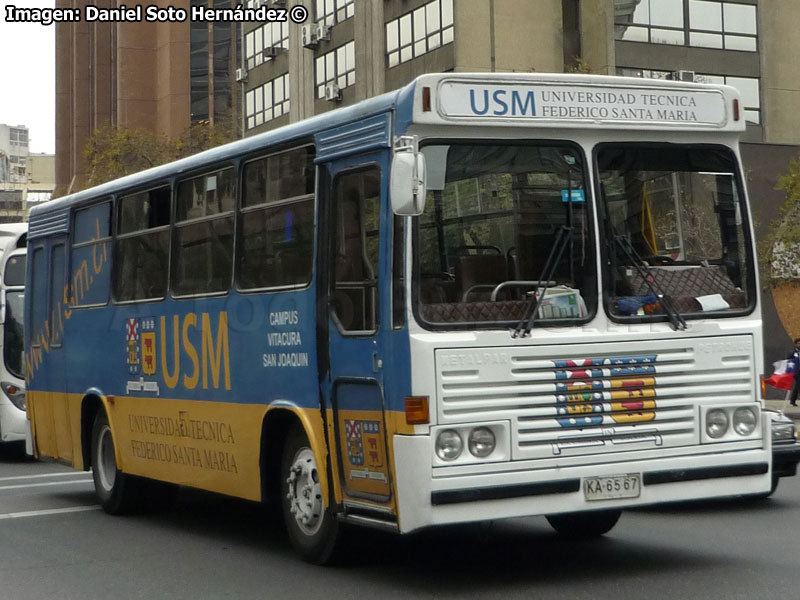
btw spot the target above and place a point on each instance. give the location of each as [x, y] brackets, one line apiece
[425, 500]
[13, 423]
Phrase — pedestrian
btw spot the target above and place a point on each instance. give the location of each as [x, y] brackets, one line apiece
[794, 356]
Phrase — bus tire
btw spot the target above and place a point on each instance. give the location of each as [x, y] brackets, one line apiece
[116, 491]
[584, 525]
[313, 530]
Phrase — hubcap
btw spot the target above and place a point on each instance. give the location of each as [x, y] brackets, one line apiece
[304, 492]
[106, 462]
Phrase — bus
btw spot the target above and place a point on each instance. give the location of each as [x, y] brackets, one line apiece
[13, 420]
[480, 296]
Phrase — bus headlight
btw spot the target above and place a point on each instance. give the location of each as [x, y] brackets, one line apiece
[744, 421]
[716, 423]
[449, 445]
[481, 442]
[14, 393]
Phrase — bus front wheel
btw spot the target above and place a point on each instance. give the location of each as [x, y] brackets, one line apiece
[115, 490]
[313, 529]
[584, 525]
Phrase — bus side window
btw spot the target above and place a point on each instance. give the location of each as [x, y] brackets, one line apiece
[141, 245]
[276, 245]
[55, 316]
[355, 259]
[90, 279]
[38, 295]
[202, 262]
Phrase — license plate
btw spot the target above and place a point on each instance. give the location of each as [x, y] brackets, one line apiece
[613, 487]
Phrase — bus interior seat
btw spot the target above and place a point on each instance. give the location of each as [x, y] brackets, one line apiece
[479, 269]
[684, 283]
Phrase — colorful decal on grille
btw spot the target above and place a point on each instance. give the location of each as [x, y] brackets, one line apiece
[630, 400]
[582, 408]
[634, 406]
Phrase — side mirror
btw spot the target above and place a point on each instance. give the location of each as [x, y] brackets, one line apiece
[407, 183]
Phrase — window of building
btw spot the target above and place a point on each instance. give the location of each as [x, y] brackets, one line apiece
[700, 23]
[337, 66]
[18, 137]
[260, 44]
[198, 69]
[268, 101]
[141, 245]
[422, 30]
[90, 256]
[276, 235]
[722, 25]
[330, 12]
[654, 21]
[202, 261]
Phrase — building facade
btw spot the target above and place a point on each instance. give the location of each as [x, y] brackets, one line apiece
[25, 178]
[353, 49]
[157, 76]
[258, 76]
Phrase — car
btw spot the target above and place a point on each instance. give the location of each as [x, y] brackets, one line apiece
[785, 447]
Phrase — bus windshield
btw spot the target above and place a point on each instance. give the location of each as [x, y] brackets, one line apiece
[674, 228]
[501, 223]
[13, 333]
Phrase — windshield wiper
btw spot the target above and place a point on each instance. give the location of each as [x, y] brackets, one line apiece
[676, 320]
[562, 240]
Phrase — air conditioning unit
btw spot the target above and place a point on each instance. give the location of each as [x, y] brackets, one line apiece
[241, 75]
[323, 32]
[682, 75]
[271, 51]
[308, 33]
[332, 93]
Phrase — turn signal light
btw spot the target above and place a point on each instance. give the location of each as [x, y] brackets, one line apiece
[763, 387]
[426, 99]
[417, 410]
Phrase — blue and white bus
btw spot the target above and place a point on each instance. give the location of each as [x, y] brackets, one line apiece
[13, 420]
[476, 297]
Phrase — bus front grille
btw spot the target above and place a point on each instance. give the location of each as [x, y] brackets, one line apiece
[571, 400]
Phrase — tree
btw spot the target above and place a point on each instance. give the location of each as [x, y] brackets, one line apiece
[780, 248]
[112, 153]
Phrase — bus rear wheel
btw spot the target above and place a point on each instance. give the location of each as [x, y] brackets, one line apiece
[584, 525]
[313, 529]
[117, 492]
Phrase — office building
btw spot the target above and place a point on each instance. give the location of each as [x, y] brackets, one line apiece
[25, 178]
[139, 75]
[353, 49]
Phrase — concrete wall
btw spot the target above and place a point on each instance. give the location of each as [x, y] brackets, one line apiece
[597, 36]
[508, 35]
[779, 24]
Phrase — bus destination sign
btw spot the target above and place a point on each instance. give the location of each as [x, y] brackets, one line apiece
[582, 103]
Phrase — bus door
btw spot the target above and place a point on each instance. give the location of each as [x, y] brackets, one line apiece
[47, 342]
[354, 298]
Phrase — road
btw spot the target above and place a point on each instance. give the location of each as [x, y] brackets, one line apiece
[55, 543]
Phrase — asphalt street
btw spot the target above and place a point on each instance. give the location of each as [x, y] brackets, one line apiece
[55, 543]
